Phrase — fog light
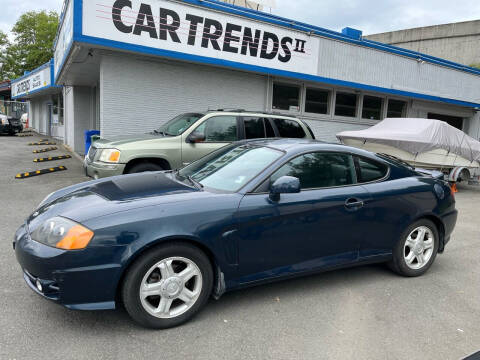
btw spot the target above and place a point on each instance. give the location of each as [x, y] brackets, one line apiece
[39, 286]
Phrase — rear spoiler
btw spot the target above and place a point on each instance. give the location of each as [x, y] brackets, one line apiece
[433, 173]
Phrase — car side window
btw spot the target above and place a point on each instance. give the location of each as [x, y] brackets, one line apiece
[369, 170]
[219, 129]
[289, 128]
[254, 127]
[319, 170]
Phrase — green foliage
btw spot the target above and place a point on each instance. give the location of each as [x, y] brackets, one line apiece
[34, 34]
[4, 43]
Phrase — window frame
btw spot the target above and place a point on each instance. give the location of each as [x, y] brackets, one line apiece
[272, 119]
[358, 104]
[329, 100]
[405, 110]
[300, 87]
[359, 172]
[382, 108]
[240, 131]
[267, 178]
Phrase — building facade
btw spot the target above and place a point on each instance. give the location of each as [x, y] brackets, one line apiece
[459, 42]
[45, 98]
[127, 67]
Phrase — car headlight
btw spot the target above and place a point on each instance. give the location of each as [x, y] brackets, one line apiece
[63, 234]
[110, 156]
[5, 122]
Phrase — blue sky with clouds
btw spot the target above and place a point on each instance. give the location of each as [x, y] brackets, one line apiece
[371, 16]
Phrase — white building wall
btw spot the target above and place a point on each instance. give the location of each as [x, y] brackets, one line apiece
[77, 102]
[353, 63]
[138, 95]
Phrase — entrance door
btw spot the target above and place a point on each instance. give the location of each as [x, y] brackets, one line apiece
[454, 121]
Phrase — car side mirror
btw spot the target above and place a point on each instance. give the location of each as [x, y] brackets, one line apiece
[284, 185]
[196, 137]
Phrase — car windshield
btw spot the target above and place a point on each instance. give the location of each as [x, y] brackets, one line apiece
[231, 167]
[178, 125]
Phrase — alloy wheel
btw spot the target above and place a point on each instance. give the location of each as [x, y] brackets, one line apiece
[418, 248]
[170, 287]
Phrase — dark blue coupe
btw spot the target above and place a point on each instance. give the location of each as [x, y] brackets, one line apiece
[256, 211]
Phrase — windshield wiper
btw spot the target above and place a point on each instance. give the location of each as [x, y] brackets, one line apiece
[195, 183]
[159, 132]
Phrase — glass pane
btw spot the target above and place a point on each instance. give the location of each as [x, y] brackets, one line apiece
[371, 170]
[346, 104]
[179, 124]
[286, 97]
[289, 129]
[396, 108]
[231, 167]
[219, 129]
[269, 129]
[319, 170]
[254, 128]
[372, 107]
[317, 101]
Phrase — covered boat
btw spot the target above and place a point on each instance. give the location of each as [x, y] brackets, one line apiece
[424, 143]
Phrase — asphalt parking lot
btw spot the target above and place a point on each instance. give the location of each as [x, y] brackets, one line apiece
[363, 313]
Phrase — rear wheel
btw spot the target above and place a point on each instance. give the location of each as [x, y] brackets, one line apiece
[416, 250]
[167, 286]
[143, 167]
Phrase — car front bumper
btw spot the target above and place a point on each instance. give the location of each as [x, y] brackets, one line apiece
[98, 170]
[80, 279]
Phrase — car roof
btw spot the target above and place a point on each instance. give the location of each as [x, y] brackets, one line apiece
[241, 112]
[293, 146]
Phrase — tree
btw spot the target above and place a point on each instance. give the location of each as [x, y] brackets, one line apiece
[4, 43]
[34, 34]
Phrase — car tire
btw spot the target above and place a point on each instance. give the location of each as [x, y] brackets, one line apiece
[413, 256]
[150, 282]
[143, 167]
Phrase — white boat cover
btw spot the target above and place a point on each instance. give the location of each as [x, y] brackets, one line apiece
[418, 136]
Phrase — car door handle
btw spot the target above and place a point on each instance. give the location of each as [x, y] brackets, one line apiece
[354, 203]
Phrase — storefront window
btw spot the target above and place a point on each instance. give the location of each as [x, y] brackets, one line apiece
[372, 107]
[346, 104]
[396, 108]
[316, 101]
[286, 97]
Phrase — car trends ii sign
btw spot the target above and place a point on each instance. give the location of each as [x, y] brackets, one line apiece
[187, 29]
[33, 82]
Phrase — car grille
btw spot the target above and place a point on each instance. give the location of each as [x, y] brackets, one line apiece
[91, 153]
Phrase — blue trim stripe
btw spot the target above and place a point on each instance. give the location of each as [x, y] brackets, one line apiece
[264, 70]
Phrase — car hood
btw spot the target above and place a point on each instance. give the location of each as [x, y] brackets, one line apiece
[117, 141]
[94, 199]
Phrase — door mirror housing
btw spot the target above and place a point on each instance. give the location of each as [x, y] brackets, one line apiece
[196, 137]
[284, 185]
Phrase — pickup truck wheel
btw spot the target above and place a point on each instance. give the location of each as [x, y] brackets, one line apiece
[144, 166]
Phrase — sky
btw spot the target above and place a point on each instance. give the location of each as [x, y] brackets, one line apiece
[370, 16]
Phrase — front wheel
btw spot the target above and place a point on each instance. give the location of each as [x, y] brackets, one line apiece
[143, 167]
[416, 250]
[167, 286]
